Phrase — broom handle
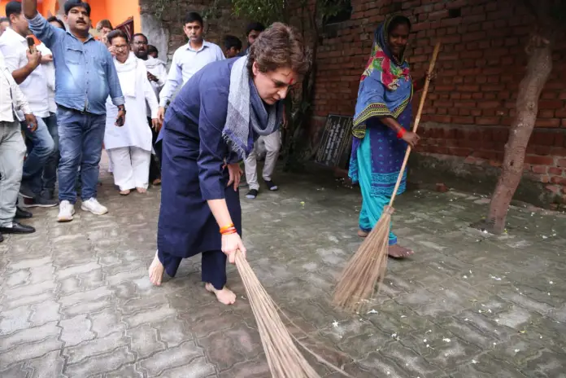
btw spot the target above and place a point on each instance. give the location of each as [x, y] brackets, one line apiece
[417, 119]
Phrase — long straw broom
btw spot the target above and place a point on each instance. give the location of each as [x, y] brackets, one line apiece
[359, 279]
[283, 356]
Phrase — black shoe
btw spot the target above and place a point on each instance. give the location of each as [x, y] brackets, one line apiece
[271, 186]
[40, 202]
[252, 194]
[17, 228]
[22, 214]
[26, 192]
[1, 238]
[48, 194]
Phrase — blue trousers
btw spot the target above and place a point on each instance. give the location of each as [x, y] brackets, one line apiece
[80, 144]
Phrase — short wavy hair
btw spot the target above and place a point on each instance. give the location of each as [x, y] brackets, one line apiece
[279, 46]
[117, 34]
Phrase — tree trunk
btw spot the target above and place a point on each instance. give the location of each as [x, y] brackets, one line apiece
[538, 71]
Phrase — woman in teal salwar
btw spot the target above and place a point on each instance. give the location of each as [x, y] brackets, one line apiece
[382, 125]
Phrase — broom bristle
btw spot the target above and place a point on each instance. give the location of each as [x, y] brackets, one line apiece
[358, 280]
[283, 357]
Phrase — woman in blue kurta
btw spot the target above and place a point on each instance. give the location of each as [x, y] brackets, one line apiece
[382, 125]
[211, 126]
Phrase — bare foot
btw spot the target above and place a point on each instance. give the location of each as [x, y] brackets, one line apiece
[362, 234]
[156, 270]
[225, 296]
[124, 192]
[141, 190]
[156, 182]
[398, 252]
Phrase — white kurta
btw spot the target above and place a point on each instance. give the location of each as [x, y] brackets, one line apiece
[138, 92]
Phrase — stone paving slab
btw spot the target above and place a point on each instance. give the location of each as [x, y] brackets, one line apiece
[75, 300]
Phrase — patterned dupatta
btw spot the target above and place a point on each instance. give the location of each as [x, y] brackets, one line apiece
[385, 85]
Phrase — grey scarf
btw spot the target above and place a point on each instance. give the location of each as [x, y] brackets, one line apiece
[248, 116]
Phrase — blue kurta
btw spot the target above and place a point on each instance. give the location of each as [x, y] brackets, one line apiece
[194, 153]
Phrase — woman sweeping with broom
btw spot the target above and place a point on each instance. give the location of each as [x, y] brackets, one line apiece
[382, 125]
[211, 126]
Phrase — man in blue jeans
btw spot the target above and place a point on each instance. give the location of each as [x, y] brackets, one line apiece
[85, 77]
[29, 74]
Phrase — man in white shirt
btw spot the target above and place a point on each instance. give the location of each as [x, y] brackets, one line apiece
[188, 59]
[12, 150]
[157, 75]
[29, 74]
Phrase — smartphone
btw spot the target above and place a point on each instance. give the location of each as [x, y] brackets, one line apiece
[120, 121]
[31, 44]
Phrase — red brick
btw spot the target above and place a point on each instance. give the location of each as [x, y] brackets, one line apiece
[550, 122]
[475, 36]
[456, 4]
[553, 188]
[555, 171]
[437, 15]
[561, 163]
[493, 88]
[487, 121]
[451, 22]
[489, 104]
[539, 160]
[463, 120]
[546, 104]
[441, 119]
[471, 54]
[539, 169]
[558, 180]
[546, 114]
[468, 88]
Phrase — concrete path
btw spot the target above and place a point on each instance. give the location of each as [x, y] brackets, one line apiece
[75, 300]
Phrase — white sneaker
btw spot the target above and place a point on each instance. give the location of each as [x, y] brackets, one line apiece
[66, 211]
[94, 207]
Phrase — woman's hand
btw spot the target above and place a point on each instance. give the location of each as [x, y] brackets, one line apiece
[432, 76]
[232, 243]
[411, 138]
[422, 81]
[235, 174]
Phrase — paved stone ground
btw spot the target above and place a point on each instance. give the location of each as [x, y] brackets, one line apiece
[75, 300]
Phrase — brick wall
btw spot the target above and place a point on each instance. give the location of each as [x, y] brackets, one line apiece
[471, 106]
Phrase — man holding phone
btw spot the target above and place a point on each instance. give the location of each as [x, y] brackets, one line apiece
[23, 60]
[85, 77]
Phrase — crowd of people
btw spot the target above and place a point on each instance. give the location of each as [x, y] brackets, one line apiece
[69, 95]
[72, 95]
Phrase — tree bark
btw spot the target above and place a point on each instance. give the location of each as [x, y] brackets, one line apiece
[538, 71]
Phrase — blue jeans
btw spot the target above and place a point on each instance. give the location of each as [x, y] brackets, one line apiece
[50, 170]
[42, 147]
[80, 144]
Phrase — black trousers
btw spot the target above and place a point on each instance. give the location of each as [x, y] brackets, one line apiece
[213, 266]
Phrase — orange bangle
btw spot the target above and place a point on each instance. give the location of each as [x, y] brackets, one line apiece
[229, 231]
[226, 227]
